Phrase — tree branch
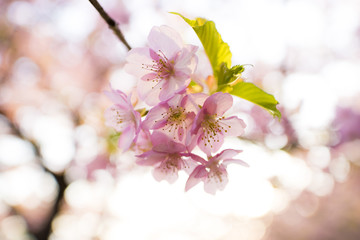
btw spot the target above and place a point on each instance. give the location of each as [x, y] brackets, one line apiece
[114, 26]
[44, 232]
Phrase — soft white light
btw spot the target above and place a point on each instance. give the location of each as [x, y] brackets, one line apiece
[15, 151]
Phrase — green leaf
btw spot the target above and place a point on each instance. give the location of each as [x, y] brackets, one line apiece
[216, 49]
[252, 93]
[226, 75]
[228, 79]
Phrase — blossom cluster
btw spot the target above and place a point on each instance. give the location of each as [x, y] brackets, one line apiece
[177, 120]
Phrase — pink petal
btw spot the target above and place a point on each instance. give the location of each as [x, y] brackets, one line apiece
[163, 143]
[180, 133]
[111, 118]
[149, 77]
[126, 138]
[200, 117]
[212, 184]
[195, 178]
[218, 103]
[212, 146]
[169, 147]
[197, 158]
[237, 161]
[169, 89]
[142, 142]
[135, 58]
[163, 173]
[139, 56]
[226, 154]
[190, 142]
[186, 61]
[154, 116]
[234, 126]
[159, 124]
[149, 91]
[165, 39]
[119, 98]
[150, 158]
[192, 102]
[176, 100]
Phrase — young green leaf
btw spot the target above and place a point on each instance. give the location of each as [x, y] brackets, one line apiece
[226, 75]
[252, 93]
[227, 79]
[216, 49]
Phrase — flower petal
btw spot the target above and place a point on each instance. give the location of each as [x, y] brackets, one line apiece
[191, 102]
[149, 91]
[163, 173]
[233, 126]
[126, 138]
[112, 118]
[119, 98]
[210, 145]
[186, 61]
[165, 39]
[163, 143]
[218, 103]
[169, 88]
[136, 59]
[195, 178]
[237, 161]
[150, 158]
[211, 184]
[154, 116]
[226, 154]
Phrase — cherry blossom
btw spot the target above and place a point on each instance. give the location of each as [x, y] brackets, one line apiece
[123, 118]
[213, 172]
[210, 126]
[164, 68]
[175, 116]
[166, 156]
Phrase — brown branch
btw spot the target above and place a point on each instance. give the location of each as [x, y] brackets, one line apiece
[44, 232]
[114, 26]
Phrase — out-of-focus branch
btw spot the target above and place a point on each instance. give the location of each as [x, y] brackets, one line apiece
[45, 231]
[114, 26]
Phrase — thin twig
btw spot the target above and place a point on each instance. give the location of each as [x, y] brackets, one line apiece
[112, 24]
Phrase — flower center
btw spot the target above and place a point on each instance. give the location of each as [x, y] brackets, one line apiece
[172, 162]
[212, 127]
[161, 66]
[214, 171]
[175, 118]
[123, 118]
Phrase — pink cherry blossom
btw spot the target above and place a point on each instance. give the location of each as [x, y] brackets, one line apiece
[166, 156]
[123, 118]
[142, 142]
[213, 172]
[175, 116]
[164, 68]
[210, 126]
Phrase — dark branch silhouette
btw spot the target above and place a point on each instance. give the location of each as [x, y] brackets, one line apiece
[45, 231]
[114, 26]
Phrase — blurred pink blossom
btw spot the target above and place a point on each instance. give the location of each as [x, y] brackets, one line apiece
[346, 125]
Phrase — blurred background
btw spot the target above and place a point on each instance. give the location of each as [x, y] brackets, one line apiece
[60, 174]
